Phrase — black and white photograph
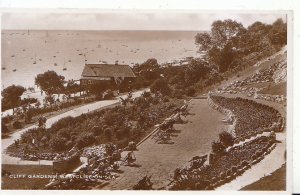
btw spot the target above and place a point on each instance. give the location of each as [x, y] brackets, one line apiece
[149, 100]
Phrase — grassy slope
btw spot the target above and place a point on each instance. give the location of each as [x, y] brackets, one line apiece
[277, 180]
[276, 89]
[274, 182]
[25, 183]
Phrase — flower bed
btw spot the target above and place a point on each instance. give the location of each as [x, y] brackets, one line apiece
[118, 125]
[251, 117]
[224, 168]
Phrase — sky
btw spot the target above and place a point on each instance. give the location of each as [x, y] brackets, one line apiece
[129, 20]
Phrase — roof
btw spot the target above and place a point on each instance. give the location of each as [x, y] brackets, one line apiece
[106, 70]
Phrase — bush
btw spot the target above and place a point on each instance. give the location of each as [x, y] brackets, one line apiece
[17, 125]
[146, 94]
[57, 143]
[97, 130]
[190, 91]
[178, 93]
[108, 133]
[84, 141]
[4, 127]
[218, 147]
[64, 122]
[228, 173]
[108, 94]
[161, 85]
[7, 119]
[201, 185]
[245, 163]
[226, 138]
[234, 169]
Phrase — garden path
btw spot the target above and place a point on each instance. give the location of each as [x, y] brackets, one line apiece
[6, 159]
[160, 160]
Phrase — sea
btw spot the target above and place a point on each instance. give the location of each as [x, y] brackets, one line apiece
[26, 53]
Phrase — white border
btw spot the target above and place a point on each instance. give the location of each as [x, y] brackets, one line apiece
[193, 5]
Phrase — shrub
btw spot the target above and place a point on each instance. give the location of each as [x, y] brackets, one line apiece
[244, 163]
[85, 140]
[228, 173]
[161, 85]
[146, 94]
[28, 117]
[108, 94]
[64, 122]
[97, 130]
[7, 119]
[4, 127]
[218, 147]
[57, 143]
[233, 169]
[223, 175]
[17, 125]
[108, 133]
[226, 138]
[201, 185]
[190, 91]
[178, 93]
[176, 174]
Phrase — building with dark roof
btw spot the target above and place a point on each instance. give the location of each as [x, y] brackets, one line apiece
[93, 73]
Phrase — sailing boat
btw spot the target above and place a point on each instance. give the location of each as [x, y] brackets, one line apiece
[64, 69]
[34, 62]
[85, 60]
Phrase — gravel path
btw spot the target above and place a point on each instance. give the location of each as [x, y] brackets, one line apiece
[160, 160]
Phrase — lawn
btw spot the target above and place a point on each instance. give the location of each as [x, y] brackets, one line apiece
[274, 182]
[277, 89]
[25, 183]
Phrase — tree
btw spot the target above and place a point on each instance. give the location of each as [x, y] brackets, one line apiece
[72, 87]
[222, 44]
[278, 33]
[218, 147]
[224, 32]
[3, 127]
[254, 36]
[12, 96]
[204, 40]
[149, 70]
[226, 138]
[50, 82]
[160, 85]
[57, 143]
[196, 70]
[98, 88]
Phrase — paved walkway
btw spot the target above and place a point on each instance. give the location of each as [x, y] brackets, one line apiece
[6, 159]
[160, 160]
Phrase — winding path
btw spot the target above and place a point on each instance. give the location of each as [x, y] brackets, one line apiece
[6, 159]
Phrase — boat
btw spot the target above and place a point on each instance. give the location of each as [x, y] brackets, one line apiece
[34, 62]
